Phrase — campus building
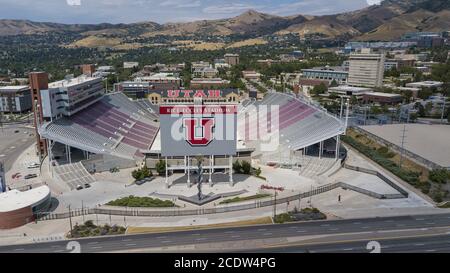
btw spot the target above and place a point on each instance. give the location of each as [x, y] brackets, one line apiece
[330, 74]
[15, 99]
[366, 69]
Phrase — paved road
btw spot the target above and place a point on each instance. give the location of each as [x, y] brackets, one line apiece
[358, 227]
[13, 144]
[420, 244]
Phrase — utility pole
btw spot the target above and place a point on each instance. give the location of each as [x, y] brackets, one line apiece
[275, 206]
[443, 111]
[70, 221]
[403, 145]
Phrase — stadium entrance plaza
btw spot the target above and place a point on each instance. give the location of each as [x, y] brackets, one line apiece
[110, 186]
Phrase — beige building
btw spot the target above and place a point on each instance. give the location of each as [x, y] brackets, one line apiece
[231, 59]
[366, 69]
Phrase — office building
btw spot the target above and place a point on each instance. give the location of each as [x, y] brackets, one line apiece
[366, 69]
[15, 99]
[231, 59]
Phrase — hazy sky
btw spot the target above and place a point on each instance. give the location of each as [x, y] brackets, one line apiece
[128, 11]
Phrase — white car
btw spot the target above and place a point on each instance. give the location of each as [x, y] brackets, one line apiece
[33, 165]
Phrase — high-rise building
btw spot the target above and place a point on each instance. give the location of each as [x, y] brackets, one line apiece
[231, 59]
[366, 69]
[88, 69]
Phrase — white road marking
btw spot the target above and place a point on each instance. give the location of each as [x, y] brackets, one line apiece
[161, 237]
[420, 219]
[333, 229]
[262, 229]
[130, 244]
[229, 232]
[325, 225]
[200, 239]
[357, 223]
[300, 231]
[430, 250]
[348, 249]
[58, 251]
[19, 249]
[235, 236]
[419, 244]
[96, 247]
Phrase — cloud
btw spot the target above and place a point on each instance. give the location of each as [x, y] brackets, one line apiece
[230, 8]
[181, 3]
[128, 11]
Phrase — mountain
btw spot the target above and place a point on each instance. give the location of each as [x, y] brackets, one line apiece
[249, 22]
[386, 21]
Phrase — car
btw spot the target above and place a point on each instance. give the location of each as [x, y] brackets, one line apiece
[87, 185]
[29, 176]
[16, 175]
[16, 131]
[33, 165]
[79, 187]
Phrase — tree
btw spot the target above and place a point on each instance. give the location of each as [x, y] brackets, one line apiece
[161, 166]
[319, 89]
[246, 167]
[237, 168]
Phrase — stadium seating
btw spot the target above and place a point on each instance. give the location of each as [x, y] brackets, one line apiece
[300, 123]
[114, 125]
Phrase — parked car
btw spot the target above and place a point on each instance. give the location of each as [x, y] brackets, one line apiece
[79, 187]
[33, 165]
[29, 176]
[87, 185]
[16, 131]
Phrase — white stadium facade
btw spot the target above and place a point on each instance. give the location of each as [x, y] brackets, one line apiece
[103, 131]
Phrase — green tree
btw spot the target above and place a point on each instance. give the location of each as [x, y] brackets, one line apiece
[319, 89]
[246, 167]
[237, 168]
[161, 167]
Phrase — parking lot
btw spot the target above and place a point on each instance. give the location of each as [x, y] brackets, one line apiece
[13, 142]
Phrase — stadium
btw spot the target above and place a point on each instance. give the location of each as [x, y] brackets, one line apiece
[91, 131]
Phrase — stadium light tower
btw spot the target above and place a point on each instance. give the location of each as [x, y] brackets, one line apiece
[346, 114]
[403, 145]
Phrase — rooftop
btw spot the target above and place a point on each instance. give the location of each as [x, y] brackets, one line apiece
[346, 88]
[13, 88]
[71, 81]
[14, 199]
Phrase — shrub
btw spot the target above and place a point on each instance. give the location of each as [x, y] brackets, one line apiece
[440, 176]
[282, 218]
[246, 167]
[161, 167]
[237, 168]
[134, 201]
[258, 172]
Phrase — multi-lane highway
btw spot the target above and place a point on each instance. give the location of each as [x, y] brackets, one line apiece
[425, 233]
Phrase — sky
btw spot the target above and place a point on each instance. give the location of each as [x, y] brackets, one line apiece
[163, 11]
